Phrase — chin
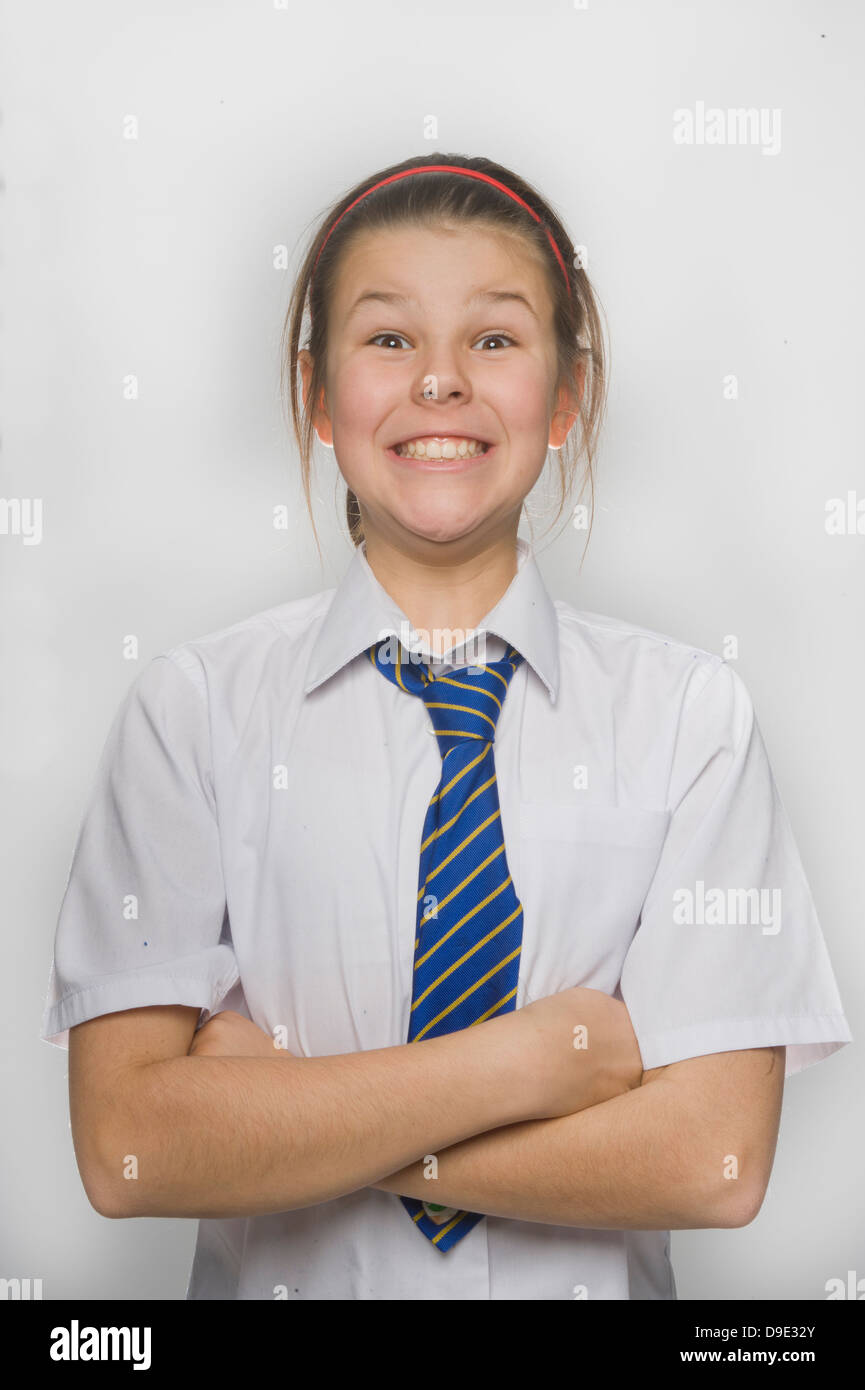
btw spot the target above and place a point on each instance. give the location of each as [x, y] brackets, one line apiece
[440, 529]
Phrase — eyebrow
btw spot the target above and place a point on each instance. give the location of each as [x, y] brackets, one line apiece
[487, 296]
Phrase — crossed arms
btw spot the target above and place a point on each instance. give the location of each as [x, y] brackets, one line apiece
[167, 1121]
[693, 1148]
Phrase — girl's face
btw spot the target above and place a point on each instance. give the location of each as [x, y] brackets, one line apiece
[444, 335]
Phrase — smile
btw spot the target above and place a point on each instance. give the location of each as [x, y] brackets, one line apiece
[441, 454]
[440, 446]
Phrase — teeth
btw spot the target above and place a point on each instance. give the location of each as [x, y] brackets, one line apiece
[448, 448]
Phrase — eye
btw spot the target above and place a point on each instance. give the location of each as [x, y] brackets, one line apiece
[502, 338]
[388, 336]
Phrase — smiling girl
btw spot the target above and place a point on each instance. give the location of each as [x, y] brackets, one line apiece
[431, 849]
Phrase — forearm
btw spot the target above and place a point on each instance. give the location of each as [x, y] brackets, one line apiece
[626, 1163]
[238, 1136]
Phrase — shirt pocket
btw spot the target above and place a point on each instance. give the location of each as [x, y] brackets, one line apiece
[584, 872]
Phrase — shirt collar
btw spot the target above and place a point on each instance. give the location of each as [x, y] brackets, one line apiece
[362, 612]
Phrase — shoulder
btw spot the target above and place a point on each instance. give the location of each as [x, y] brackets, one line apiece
[628, 660]
[195, 697]
[242, 653]
[627, 642]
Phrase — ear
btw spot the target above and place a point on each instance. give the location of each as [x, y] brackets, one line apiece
[320, 416]
[567, 407]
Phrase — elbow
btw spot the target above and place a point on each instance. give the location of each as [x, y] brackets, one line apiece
[90, 1169]
[109, 1144]
[107, 1188]
[105, 1194]
[101, 1194]
[115, 1191]
[107, 1208]
[749, 1208]
[732, 1202]
[115, 1198]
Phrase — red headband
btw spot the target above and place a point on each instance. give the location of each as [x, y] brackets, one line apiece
[452, 169]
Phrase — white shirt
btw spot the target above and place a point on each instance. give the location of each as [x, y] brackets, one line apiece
[262, 793]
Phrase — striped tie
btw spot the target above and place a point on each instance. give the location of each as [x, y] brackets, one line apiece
[469, 924]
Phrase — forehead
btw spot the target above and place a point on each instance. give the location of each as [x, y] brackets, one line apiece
[441, 264]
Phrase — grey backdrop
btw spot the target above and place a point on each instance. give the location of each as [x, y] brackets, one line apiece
[155, 257]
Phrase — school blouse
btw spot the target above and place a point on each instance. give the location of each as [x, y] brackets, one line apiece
[252, 842]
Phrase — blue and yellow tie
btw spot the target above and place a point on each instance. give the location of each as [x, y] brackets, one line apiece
[469, 925]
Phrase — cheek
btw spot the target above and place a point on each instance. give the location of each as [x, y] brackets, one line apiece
[521, 399]
[360, 401]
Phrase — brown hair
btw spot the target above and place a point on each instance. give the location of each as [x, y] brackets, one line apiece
[445, 197]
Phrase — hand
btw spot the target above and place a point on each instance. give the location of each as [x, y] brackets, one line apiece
[229, 1034]
[565, 1077]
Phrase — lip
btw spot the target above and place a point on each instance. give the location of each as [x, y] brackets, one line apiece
[454, 465]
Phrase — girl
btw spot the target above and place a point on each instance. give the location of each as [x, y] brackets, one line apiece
[435, 806]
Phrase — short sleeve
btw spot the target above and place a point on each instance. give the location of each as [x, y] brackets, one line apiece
[143, 918]
[728, 953]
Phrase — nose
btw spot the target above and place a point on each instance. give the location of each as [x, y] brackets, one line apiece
[442, 377]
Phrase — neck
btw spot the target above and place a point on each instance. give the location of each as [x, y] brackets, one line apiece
[444, 597]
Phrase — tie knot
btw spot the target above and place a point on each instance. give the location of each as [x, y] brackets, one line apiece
[464, 705]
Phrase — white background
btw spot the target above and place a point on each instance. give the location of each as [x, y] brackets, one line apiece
[155, 257]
